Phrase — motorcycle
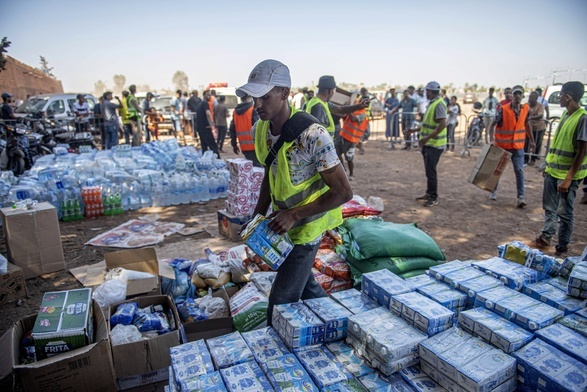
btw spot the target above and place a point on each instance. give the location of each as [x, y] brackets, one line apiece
[476, 127]
[16, 155]
[66, 134]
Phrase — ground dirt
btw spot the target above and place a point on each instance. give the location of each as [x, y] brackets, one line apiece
[465, 223]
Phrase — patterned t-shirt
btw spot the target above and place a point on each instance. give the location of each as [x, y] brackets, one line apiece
[312, 152]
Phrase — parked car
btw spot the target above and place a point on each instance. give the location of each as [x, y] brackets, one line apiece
[162, 104]
[552, 95]
[58, 106]
[469, 98]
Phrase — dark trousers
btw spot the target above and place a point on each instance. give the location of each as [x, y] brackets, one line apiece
[431, 157]
[538, 136]
[207, 141]
[221, 136]
[252, 156]
[294, 280]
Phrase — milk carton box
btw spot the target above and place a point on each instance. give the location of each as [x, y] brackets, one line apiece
[577, 286]
[359, 323]
[444, 295]
[390, 288]
[572, 378]
[558, 282]
[354, 300]
[511, 274]
[353, 385]
[298, 321]
[338, 347]
[379, 382]
[454, 278]
[510, 337]
[508, 386]
[553, 296]
[566, 340]
[286, 373]
[537, 316]
[576, 322]
[190, 360]
[265, 344]
[509, 307]
[439, 271]
[390, 367]
[420, 280]
[546, 265]
[323, 367]
[488, 298]
[419, 380]
[568, 265]
[431, 348]
[430, 370]
[423, 312]
[456, 357]
[334, 315]
[228, 350]
[487, 371]
[472, 286]
[479, 321]
[372, 284]
[211, 382]
[270, 246]
[354, 364]
[527, 357]
[245, 377]
[396, 344]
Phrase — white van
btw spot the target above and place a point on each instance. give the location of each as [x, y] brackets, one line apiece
[57, 105]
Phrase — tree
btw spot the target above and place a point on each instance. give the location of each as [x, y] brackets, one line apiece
[119, 81]
[45, 67]
[180, 81]
[99, 88]
[3, 45]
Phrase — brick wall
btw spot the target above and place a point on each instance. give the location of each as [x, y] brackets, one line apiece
[22, 80]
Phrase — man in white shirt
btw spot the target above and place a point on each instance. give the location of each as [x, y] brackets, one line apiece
[81, 109]
[422, 101]
[490, 104]
[298, 100]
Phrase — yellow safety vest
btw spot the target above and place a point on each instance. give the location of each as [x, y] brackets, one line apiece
[286, 195]
[562, 151]
[124, 112]
[313, 102]
[429, 125]
[133, 113]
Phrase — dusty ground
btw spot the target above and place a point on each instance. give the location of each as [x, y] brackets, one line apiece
[466, 224]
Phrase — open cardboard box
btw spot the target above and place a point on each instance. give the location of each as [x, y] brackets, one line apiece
[143, 260]
[12, 284]
[211, 328]
[88, 368]
[145, 361]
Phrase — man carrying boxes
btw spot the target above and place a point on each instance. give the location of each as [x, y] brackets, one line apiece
[304, 181]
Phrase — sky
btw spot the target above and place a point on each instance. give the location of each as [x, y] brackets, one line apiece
[495, 42]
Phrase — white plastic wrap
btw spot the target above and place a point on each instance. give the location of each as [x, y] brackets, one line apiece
[122, 334]
[263, 281]
[214, 307]
[209, 271]
[113, 290]
[239, 272]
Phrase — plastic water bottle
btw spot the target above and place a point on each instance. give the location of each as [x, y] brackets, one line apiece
[134, 196]
[213, 186]
[205, 189]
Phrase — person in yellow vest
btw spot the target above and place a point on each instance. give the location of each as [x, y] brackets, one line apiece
[135, 115]
[243, 118]
[566, 166]
[320, 106]
[123, 111]
[433, 139]
[508, 130]
[353, 129]
[304, 182]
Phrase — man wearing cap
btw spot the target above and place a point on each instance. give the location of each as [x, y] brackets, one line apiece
[243, 119]
[305, 183]
[81, 109]
[433, 138]
[134, 116]
[6, 111]
[321, 107]
[510, 128]
[566, 166]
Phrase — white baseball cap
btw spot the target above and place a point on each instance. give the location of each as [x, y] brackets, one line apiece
[266, 75]
[433, 86]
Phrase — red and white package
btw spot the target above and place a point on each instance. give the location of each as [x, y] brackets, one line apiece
[329, 263]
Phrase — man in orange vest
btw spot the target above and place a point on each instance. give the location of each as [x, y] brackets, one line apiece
[510, 128]
[243, 118]
[353, 129]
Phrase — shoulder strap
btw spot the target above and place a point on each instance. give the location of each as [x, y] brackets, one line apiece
[292, 128]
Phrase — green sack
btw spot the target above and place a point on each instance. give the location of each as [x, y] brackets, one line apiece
[366, 239]
[397, 265]
[411, 274]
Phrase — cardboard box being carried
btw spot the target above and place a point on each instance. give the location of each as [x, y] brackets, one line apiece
[489, 167]
[33, 239]
[229, 225]
[84, 369]
[146, 361]
[12, 284]
[64, 322]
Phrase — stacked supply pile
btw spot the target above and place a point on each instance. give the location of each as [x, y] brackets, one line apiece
[192, 367]
[565, 339]
[331, 271]
[286, 373]
[520, 253]
[419, 380]
[448, 297]
[244, 185]
[568, 265]
[371, 245]
[454, 357]
[494, 329]
[297, 325]
[350, 359]
[334, 315]
[439, 271]
[576, 321]
[543, 367]
[377, 382]
[324, 369]
[388, 342]
[422, 312]
[229, 350]
[381, 285]
[265, 344]
[548, 291]
[577, 286]
[268, 245]
[513, 275]
[246, 376]
[524, 311]
[474, 286]
[355, 301]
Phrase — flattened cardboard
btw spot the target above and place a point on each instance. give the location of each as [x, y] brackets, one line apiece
[12, 285]
[145, 361]
[489, 167]
[211, 328]
[89, 368]
[33, 239]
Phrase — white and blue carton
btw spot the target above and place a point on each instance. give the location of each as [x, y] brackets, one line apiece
[513, 275]
[286, 373]
[446, 296]
[577, 286]
[577, 321]
[420, 381]
[565, 339]
[381, 285]
[430, 348]
[455, 278]
[228, 350]
[265, 344]
[323, 367]
[297, 325]
[190, 360]
[488, 298]
[438, 272]
[245, 377]
[353, 385]
[451, 360]
[553, 296]
[536, 317]
[420, 280]
[473, 286]
[425, 314]
[210, 382]
[268, 245]
[487, 371]
[334, 315]
[353, 363]
[355, 301]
